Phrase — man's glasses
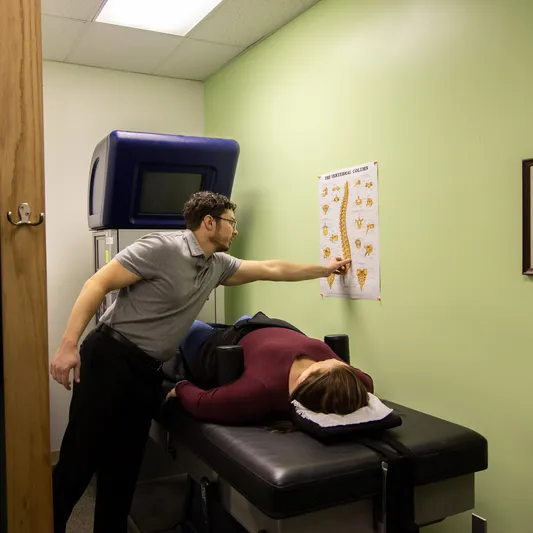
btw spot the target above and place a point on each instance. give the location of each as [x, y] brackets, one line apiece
[232, 221]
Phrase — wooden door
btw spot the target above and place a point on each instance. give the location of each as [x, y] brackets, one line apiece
[23, 272]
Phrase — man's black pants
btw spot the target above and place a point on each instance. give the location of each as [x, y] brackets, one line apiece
[110, 416]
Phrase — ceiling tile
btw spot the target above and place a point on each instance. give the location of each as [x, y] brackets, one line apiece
[73, 9]
[121, 48]
[196, 60]
[243, 22]
[59, 36]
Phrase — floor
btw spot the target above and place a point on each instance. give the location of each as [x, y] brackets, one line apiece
[150, 508]
[81, 520]
[158, 502]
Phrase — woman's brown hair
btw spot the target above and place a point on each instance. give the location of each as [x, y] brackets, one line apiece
[335, 390]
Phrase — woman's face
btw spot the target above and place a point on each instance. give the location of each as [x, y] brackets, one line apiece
[321, 366]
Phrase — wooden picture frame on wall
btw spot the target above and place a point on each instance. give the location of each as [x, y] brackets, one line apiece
[527, 229]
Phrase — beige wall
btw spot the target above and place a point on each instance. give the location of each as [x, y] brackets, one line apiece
[81, 106]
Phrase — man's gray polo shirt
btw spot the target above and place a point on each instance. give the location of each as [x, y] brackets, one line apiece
[157, 312]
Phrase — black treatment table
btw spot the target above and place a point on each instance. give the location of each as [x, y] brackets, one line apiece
[272, 482]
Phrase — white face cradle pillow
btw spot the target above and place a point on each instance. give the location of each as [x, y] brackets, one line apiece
[376, 416]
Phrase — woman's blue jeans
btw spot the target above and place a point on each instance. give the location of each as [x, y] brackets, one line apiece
[197, 335]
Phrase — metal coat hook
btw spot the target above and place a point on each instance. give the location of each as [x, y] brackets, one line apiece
[24, 214]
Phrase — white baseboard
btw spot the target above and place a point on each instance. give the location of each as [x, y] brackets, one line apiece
[55, 457]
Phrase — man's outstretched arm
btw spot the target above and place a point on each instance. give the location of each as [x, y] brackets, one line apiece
[278, 270]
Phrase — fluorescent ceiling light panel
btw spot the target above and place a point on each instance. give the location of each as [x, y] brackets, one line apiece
[177, 17]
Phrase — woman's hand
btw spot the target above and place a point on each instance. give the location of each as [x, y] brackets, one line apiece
[171, 394]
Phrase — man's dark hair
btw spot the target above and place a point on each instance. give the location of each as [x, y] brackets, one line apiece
[204, 203]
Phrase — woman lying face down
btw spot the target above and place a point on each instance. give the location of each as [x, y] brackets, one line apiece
[280, 366]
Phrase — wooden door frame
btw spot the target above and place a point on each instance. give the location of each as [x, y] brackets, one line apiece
[23, 271]
[3, 483]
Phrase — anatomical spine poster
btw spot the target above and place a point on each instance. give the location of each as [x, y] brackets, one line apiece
[349, 228]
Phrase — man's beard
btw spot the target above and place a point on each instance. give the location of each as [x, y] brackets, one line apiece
[220, 245]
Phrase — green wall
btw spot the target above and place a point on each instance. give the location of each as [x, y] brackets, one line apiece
[441, 94]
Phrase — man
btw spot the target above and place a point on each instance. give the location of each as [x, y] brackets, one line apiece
[164, 279]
